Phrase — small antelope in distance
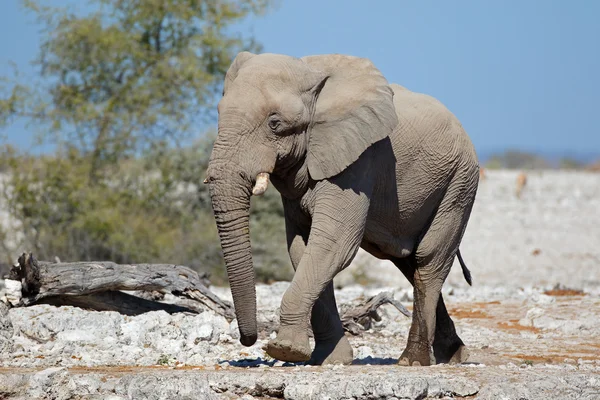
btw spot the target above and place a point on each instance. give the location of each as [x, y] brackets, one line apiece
[521, 182]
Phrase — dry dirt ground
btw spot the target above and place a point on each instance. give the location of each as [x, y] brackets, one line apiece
[531, 323]
[524, 344]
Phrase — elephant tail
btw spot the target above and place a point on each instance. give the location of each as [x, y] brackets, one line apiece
[465, 270]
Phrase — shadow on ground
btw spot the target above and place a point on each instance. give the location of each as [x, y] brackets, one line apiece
[375, 361]
[259, 362]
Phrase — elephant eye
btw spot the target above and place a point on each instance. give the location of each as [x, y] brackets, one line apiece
[274, 123]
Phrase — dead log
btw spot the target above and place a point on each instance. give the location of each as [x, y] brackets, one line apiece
[83, 282]
[359, 317]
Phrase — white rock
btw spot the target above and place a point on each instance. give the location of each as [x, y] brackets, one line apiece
[12, 291]
[205, 332]
[541, 298]
[234, 330]
[531, 316]
[77, 335]
[51, 383]
[225, 338]
[363, 352]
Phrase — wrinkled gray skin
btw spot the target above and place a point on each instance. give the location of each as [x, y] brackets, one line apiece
[358, 163]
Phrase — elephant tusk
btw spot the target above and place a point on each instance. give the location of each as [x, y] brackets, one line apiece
[205, 181]
[261, 185]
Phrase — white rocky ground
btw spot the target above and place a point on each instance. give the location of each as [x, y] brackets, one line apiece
[528, 339]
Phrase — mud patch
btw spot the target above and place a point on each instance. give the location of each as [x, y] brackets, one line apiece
[462, 313]
[513, 325]
[564, 292]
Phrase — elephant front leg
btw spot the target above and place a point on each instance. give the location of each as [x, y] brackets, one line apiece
[336, 233]
[331, 344]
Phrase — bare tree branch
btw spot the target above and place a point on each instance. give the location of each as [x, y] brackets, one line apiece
[359, 317]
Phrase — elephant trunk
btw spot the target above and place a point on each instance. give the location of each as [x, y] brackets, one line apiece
[231, 207]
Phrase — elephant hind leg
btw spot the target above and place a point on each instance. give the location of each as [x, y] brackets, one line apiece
[447, 345]
[448, 348]
[421, 336]
[434, 257]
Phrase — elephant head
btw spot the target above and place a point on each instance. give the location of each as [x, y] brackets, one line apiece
[294, 121]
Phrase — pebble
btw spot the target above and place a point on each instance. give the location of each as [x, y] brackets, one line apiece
[363, 352]
[205, 332]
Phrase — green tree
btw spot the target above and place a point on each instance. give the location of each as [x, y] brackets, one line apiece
[130, 72]
[122, 91]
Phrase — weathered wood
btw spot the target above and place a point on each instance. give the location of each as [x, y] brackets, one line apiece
[4, 270]
[359, 317]
[42, 280]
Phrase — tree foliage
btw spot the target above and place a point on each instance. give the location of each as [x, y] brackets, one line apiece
[130, 72]
[122, 90]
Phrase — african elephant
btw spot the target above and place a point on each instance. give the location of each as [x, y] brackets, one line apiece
[358, 162]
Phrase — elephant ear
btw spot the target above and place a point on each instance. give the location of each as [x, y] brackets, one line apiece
[235, 66]
[354, 109]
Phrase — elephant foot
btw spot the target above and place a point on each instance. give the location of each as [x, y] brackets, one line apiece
[450, 352]
[290, 345]
[460, 356]
[416, 355]
[332, 352]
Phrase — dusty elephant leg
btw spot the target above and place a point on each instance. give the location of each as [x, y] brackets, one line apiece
[434, 257]
[301, 301]
[448, 348]
[418, 349]
[332, 245]
[447, 345]
[331, 344]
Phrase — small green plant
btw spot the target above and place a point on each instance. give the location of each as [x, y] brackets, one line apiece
[528, 363]
[163, 360]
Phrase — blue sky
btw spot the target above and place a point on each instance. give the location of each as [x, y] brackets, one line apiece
[518, 74]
